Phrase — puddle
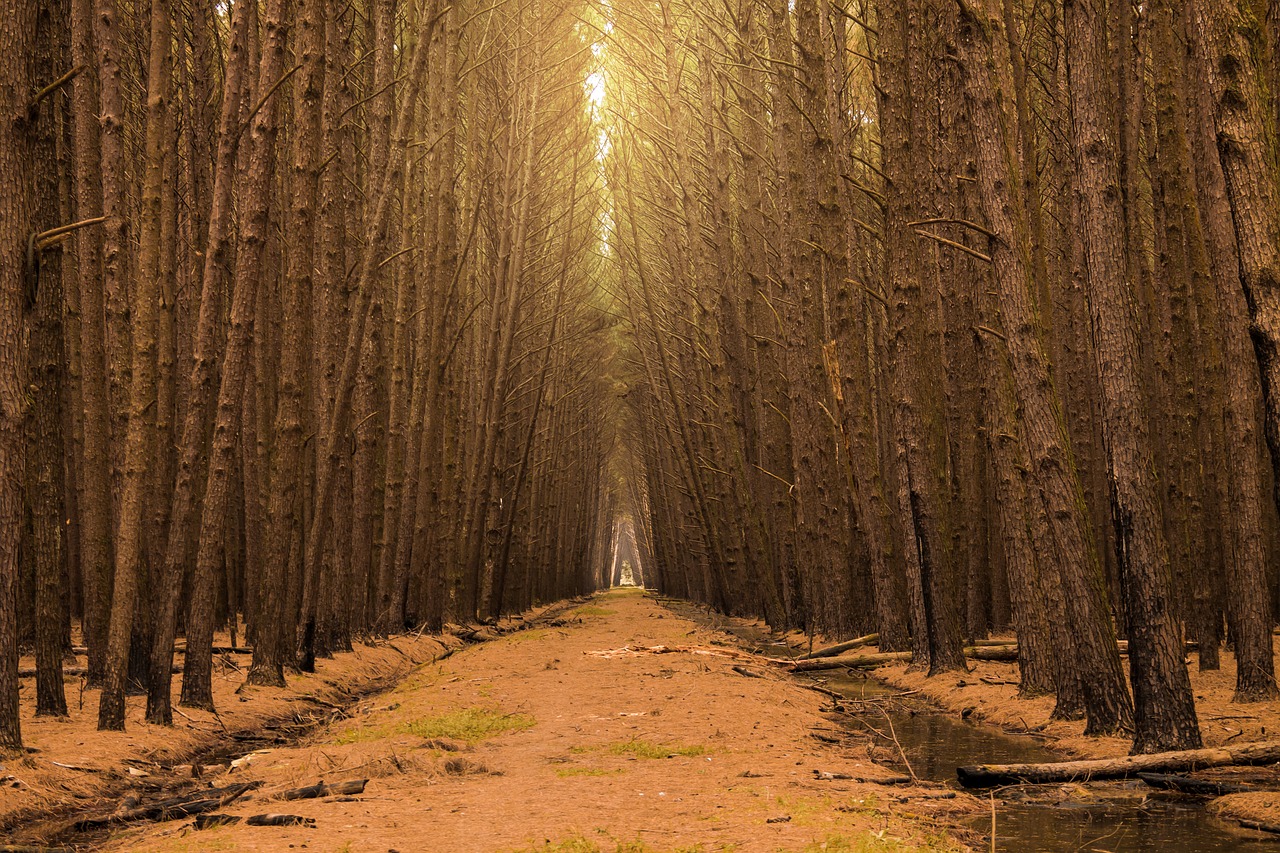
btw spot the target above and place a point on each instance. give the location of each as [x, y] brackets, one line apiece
[1104, 817]
[1107, 816]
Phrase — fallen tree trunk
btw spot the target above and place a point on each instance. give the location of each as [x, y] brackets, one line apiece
[320, 789]
[197, 802]
[851, 661]
[213, 821]
[1007, 654]
[993, 653]
[1198, 787]
[840, 648]
[280, 820]
[990, 775]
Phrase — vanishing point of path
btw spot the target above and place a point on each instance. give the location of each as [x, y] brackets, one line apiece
[537, 742]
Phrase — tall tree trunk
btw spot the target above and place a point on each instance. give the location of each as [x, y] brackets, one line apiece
[1164, 711]
[17, 26]
[1071, 555]
[1218, 33]
[256, 192]
[190, 470]
[96, 534]
[142, 315]
[45, 478]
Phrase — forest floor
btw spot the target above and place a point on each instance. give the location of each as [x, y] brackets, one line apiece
[71, 765]
[989, 693]
[575, 737]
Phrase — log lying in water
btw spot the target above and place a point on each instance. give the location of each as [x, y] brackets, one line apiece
[853, 661]
[1199, 787]
[991, 775]
[999, 653]
[841, 648]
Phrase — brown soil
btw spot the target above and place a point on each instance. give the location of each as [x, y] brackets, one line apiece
[537, 741]
[1261, 807]
[70, 764]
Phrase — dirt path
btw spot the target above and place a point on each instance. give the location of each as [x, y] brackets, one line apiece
[535, 741]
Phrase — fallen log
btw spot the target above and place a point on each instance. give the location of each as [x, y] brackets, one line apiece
[320, 789]
[194, 803]
[840, 648]
[213, 821]
[851, 661]
[992, 653]
[1198, 787]
[991, 775]
[280, 820]
[1007, 654]
[1259, 825]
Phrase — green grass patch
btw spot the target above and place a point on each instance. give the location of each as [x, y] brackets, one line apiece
[582, 844]
[645, 749]
[876, 843]
[469, 724]
[592, 610]
[364, 734]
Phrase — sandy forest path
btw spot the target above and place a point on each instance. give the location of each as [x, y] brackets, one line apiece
[538, 742]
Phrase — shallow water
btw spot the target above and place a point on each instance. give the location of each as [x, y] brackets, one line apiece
[1115, 816]
[1105, 817]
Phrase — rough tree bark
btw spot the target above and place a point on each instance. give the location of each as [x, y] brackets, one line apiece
[1164, 710]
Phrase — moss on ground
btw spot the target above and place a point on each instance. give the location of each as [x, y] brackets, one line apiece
[592, 610]
[469, 725]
